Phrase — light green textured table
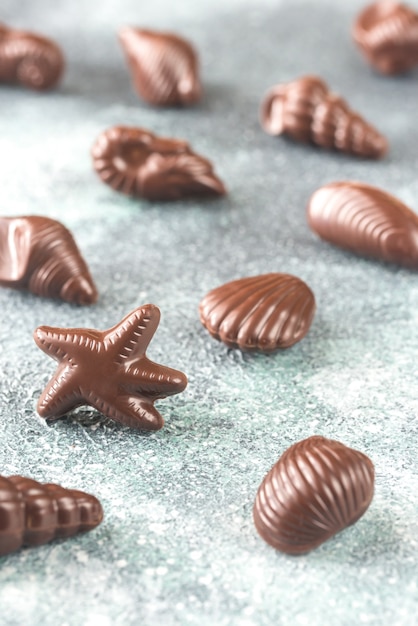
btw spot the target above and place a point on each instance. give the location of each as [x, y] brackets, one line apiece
[178, 545]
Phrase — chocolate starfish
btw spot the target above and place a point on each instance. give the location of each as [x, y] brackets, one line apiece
[108, 370]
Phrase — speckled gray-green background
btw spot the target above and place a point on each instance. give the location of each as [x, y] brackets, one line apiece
[178, 545]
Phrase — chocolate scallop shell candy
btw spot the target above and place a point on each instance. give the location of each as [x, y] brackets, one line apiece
[317, 488]
[365, 220]
[261, 313]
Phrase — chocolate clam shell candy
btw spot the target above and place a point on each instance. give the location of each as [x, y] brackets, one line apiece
[261, 313]
[317, 488]
[365, 220]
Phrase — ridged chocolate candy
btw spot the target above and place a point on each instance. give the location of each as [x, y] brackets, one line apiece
[261, 313]
[387, 34]
[164, 66]
[137, 162]
[307, 111]
[317, 488]
[29, 60]
[32, 513]
[365, 220]
[39, 254]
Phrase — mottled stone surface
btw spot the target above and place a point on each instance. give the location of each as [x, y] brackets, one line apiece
[178, 545]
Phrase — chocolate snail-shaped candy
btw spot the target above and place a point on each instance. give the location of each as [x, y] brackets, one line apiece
[307, 111]
[138, 163]
[29, 60]
[32, 513]
[39, 254]
[164, 67]
[387, 34]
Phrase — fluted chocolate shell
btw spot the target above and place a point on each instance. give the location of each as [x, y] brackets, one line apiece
[137, 162]
[317, 488]
[307, 111]
[387, 34]
[365, 220]
[263, 313]
[29, 59]
[164, 67]
[32, 513]
[39, 254]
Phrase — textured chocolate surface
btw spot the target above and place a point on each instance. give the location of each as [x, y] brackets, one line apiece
[32, 513]
[137, 162]
[29, 59]
[261, 313]
[39, 254]
[164, 66]
[307, 111]
[387, 34]
[108, 370]
[365, 220]
[317, 488]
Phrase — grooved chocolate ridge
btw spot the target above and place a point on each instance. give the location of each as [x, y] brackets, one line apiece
[39, 254]
[307, 111]
[365, 220]
[164, 66]
[262, 313]
[387, 34]
[136, 162]
[32, 513]
[317, 488]
[29, 60]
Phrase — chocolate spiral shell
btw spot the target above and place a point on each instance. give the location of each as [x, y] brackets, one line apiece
[28, 59]
[387, 34]
[164, 67]
[32, 513]
[39, 254]
[261, 313]
[307, 111]
[317, 488]
[365, 220]
[138, 163]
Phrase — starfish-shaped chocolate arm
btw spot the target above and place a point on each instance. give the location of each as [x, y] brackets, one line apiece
[108, 370]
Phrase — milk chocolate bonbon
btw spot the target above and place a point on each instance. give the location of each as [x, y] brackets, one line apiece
[365, 220]
[387, 34]
[164, 67]
[262, 313]
[317, 488]
[32, 513]
[137, 162]
[308, 112]
[39, 254]
[108, 370]
[29, 59]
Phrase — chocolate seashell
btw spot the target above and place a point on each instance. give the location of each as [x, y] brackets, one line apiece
[138, 163]
[263, 313]
[29, 60]
[365, 220]
[164, 67]
[317, 488]
[39, 254]
[32, 513]
[307, 111]
[387, 34]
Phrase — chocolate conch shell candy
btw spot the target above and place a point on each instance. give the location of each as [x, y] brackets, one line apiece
[32, 513]
[387, 34]
[308, 112]
[136, 162]
[29, 59]
[39, 254]
[365, 220]
[164, 67]
[317, 488]
[261, 313]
